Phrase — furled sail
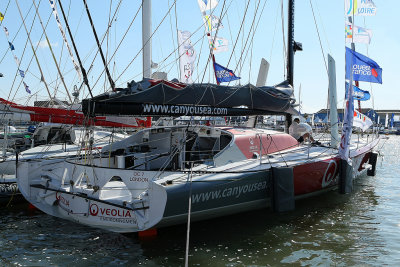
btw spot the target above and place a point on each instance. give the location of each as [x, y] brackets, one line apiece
[156, 97]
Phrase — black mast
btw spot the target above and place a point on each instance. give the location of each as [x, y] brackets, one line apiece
[290, 56]
[85, 79]
[98, 44]
[292, 47]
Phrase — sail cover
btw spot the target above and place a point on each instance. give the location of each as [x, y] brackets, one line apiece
[156, 97]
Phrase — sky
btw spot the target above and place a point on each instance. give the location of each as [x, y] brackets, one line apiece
[248, 44]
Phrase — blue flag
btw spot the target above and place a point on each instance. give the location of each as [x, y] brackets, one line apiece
[11, 46]
[223, 74]
[392, 120]
[364, 69]
[359, 94]
[22, 73]
[27, 88]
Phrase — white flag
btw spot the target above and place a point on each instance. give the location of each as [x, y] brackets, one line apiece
[16, 60]
[205, 5]
[60, 27]
[5, 30]
[357, 34]
[212, 23]
[218, 44]
[360, 8]
[187, 56]
[361, 121]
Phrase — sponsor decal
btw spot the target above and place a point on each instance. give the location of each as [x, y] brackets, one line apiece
[112, 214]
[330, 174]
[183, 110]
[61, 199]
[235, 192]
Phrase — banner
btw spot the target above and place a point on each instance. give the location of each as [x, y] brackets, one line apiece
[223, 74]
[187, 56]
[55, 13]
[1, 16]
[359, 94]
[218, 44]
[348, 118]
[212, 23]
[360, 8]
[205, 5]
[357, 34]
[363, 68]
[361, 121]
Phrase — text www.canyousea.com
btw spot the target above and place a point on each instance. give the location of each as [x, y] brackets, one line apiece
[153, 108]
[236, 191]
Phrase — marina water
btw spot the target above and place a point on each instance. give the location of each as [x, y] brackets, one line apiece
[362, 228]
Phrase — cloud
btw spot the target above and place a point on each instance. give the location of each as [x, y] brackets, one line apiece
[44, 44]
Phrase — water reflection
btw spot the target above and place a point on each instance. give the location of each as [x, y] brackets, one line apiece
[361, 228]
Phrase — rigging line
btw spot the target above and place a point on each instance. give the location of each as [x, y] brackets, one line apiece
[151, 36]
[177, 40]
[62, 47]
[85, 79]
[16, 34]
[273, 36]
[23, 52]
[107, 42]
[60, 59]
[173, 61]
[252, 26]
[176, 49]
[251, 57]
[323, 28]
[283, 38]
[319, 38]
[104, 35]
[200, 27]
[1, 23]
[33, 50]
[190, 176]
[198, 59]
[122, 39]
[230, 33]
[5, 12]
[242, 48]
[112, 84]
[248, 36]
[52, 52]
[370, 84]
[240, 29]
[211, 54]
[255, 29]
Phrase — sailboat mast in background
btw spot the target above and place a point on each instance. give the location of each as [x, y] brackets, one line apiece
[146, 38]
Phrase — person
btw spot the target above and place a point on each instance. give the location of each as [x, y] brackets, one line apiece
[300, 132]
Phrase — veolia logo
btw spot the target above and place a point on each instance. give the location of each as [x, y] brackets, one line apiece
[330, 174]
[251, 140]
[94, 210]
